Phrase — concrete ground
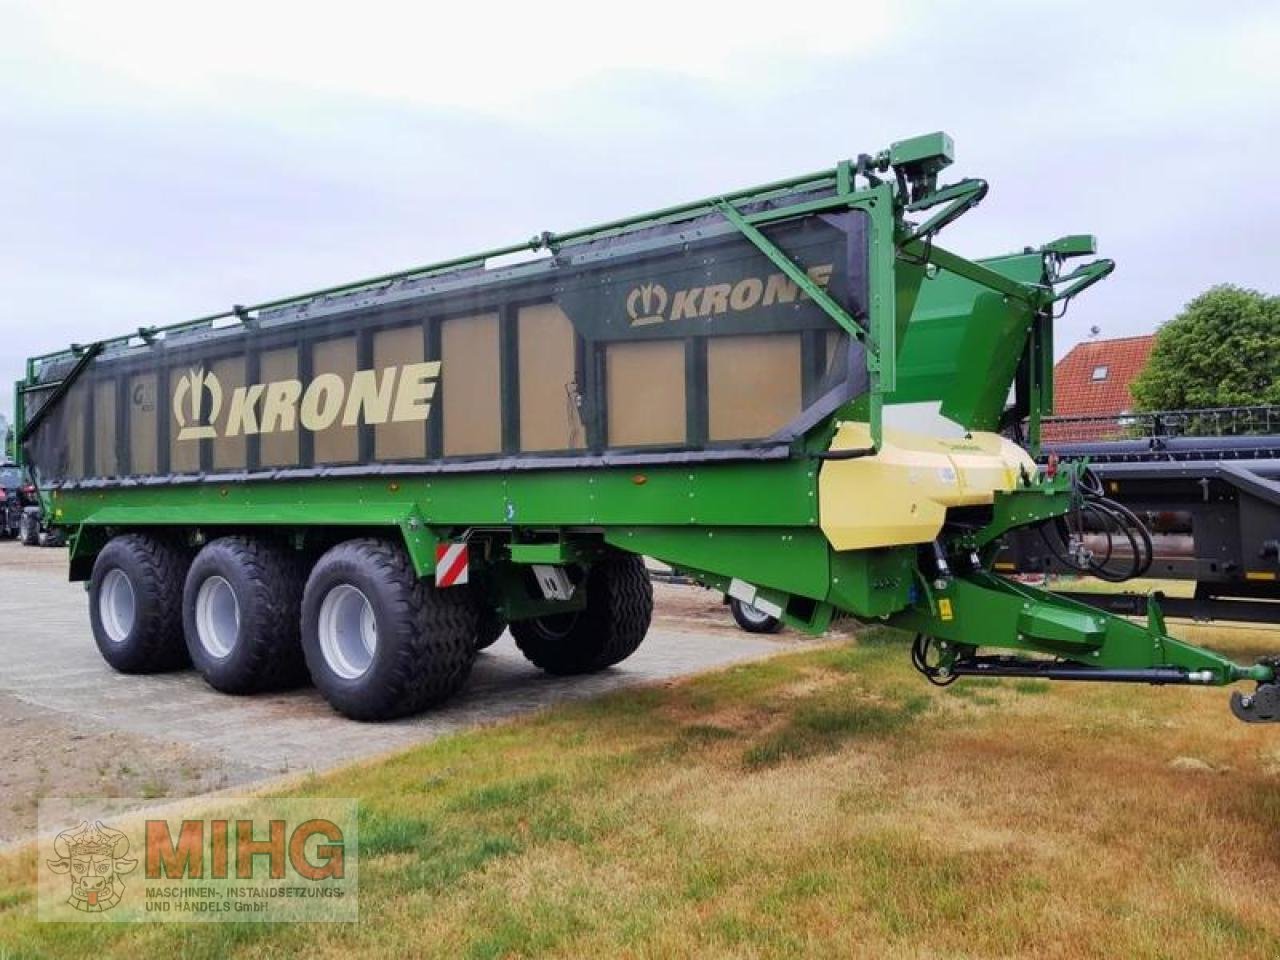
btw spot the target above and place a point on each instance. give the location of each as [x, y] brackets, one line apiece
[74, 727]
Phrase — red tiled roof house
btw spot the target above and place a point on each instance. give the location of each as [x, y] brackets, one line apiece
[1093, 380]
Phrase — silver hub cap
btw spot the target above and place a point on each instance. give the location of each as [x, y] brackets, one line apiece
[348, 631]
[752, 615]
[217, 617]
[117, 606]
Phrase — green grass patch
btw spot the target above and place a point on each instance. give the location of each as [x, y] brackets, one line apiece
[824, 727]
[520, 793]
[382, 833]
[14, 898]
[1032, 687]
[524, 934]
[978, 693]
[741, 686]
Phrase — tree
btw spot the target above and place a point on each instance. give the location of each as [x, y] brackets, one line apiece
[1223, 350]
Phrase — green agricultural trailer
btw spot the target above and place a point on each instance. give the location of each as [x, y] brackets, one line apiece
[791, 393]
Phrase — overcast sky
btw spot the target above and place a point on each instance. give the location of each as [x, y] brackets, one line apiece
[164, 160]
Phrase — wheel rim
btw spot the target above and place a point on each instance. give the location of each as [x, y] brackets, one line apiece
[217, 617]
[557, 626]
[117, 606]
[348, 631]
[752, 615]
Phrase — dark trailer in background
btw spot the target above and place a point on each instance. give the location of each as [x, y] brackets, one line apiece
[1206, 483]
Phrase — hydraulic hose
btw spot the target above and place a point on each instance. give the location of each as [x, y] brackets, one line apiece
[1094, 512]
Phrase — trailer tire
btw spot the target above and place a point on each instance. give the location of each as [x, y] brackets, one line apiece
[491, 624]
[752, 620]
[241, 608]
[29, 527]
[135, 603]
[607, 631]
[381, 643]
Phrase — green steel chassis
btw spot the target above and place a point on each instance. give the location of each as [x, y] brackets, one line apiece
[753, 521]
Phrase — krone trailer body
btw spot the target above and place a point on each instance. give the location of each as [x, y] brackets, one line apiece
[791, 393]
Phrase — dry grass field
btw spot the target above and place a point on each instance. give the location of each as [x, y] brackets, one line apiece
[822, 803]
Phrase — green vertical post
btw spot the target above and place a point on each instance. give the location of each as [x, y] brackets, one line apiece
[1035, 399]
[16, 453]
[882, 353]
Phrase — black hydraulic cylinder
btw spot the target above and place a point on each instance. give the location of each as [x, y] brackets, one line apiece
[1049, 670]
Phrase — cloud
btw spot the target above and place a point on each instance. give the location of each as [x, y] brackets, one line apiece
[488, 57]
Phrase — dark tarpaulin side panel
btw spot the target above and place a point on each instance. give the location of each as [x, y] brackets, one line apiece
[673, 342]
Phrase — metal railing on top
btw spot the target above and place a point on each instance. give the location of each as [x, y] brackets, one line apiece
[1212, 422]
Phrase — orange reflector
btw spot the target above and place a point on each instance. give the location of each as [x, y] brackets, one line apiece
[1259, 575]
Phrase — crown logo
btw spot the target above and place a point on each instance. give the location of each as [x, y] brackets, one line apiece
[647, 304]
[188, 404]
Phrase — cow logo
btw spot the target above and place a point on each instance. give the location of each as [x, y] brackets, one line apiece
[94, 858]
[647, 304]
[188, 404]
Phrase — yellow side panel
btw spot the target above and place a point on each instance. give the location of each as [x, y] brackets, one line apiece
[229, 452]
[901, 495]
[645, 390]
[75, 405]
[549, 418]
[184, 455]
[105, 461]
[399, 441]
[335, 443]
[753, 385]
[143, 420]
[987, 462]
[278, 448]
[469, 385]
[837, 344]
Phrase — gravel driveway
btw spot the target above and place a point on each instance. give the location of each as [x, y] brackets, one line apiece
[74, 727]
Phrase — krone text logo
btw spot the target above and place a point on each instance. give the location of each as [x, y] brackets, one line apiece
[396, 394]
[648, 303]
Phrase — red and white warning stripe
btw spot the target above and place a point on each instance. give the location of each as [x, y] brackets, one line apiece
[452, 567]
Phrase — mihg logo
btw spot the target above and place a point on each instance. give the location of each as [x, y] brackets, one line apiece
[200, 859]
